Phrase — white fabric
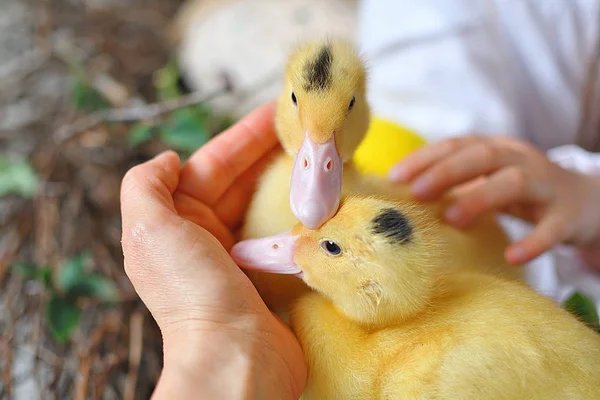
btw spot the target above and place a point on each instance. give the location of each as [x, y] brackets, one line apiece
[489, 67]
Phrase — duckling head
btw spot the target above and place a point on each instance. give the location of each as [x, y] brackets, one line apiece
[377, 261]
[322, 116]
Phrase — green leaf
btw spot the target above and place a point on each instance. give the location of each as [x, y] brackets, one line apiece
[62, 316]
[165, 81]
[17, 176]
[96, 286]
[32, 271]
[86, 98]
[584, 308]
[185, 131]
[140, 133]
[72, 271]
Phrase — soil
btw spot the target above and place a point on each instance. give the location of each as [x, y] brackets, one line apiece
[116, 351]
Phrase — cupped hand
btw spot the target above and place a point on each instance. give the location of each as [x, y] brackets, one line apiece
[178, 226]
[504, 174]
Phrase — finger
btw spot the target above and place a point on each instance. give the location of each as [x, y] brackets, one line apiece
[503, 188]
[462, 166]
[530, 212]
[175, 266]
[214, 167]
[148, 216]
[551, 230]
[418, 161]
[199, 213]
[232, 206]
[151, 183]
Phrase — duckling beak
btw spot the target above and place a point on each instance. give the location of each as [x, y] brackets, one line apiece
[274, 254]
[316, 182]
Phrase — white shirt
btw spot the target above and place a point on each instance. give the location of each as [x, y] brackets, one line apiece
[490, 67]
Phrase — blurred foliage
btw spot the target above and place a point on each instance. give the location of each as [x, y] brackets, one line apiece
[84, 97]
[66, 288]
[140, 133]
[185, 129]
[583, 308]
[17, 176]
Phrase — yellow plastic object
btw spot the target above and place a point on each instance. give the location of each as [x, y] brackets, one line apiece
[385, 144]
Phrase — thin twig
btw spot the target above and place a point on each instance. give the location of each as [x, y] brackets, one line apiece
[7, 370]
[154, 110]
[81, 388]
[136, 345]
[16, 240]
[109, 362]
[131, 114]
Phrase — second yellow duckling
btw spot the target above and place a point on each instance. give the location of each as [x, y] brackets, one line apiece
[387, 320]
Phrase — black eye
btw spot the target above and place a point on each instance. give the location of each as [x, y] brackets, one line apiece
[294, 100]
[331, 247]
[351, 105]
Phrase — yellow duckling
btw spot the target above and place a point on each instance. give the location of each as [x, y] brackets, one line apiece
[387, 320]
[321, 119]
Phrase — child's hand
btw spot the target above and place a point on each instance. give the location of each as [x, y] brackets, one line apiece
[513, 177]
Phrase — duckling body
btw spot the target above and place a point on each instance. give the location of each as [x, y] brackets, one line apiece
[322, 116]
[481, 338]
[479, 247]
[390, 317]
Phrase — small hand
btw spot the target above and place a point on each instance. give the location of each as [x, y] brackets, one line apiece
[511, 176]
[220, 340]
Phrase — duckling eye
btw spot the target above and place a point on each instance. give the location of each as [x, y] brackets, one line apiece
[294, 100]
[351, 105]
[331, 248]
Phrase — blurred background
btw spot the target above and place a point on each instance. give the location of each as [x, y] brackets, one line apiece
[89, 88]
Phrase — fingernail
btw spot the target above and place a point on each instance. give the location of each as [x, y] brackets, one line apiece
[454, 214]
[421, 186]
[398, 174]
[516, 254]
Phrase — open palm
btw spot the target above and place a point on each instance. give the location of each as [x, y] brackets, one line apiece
[178, 226]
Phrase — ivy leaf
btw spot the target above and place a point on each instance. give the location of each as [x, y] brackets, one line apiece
[96, 286]
[140, 133]
[32, 271]
[86, 98]
[62, 317]
[583, 308]
[17, 176]
[72, 271]
[185, 131]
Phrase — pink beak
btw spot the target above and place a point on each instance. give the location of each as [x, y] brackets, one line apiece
[316, 183]
[274, 254]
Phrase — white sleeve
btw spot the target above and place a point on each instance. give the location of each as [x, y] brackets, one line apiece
[575, 158]
[445, 72]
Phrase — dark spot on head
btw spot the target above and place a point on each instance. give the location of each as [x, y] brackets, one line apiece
[317, 73]
[393, 225]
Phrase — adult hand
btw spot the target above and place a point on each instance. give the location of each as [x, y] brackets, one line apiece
[511, 176]
[220, 340]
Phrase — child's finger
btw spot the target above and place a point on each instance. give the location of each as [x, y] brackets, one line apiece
[551, 230]
[502, 189]
[466, 164]
[417, 162]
